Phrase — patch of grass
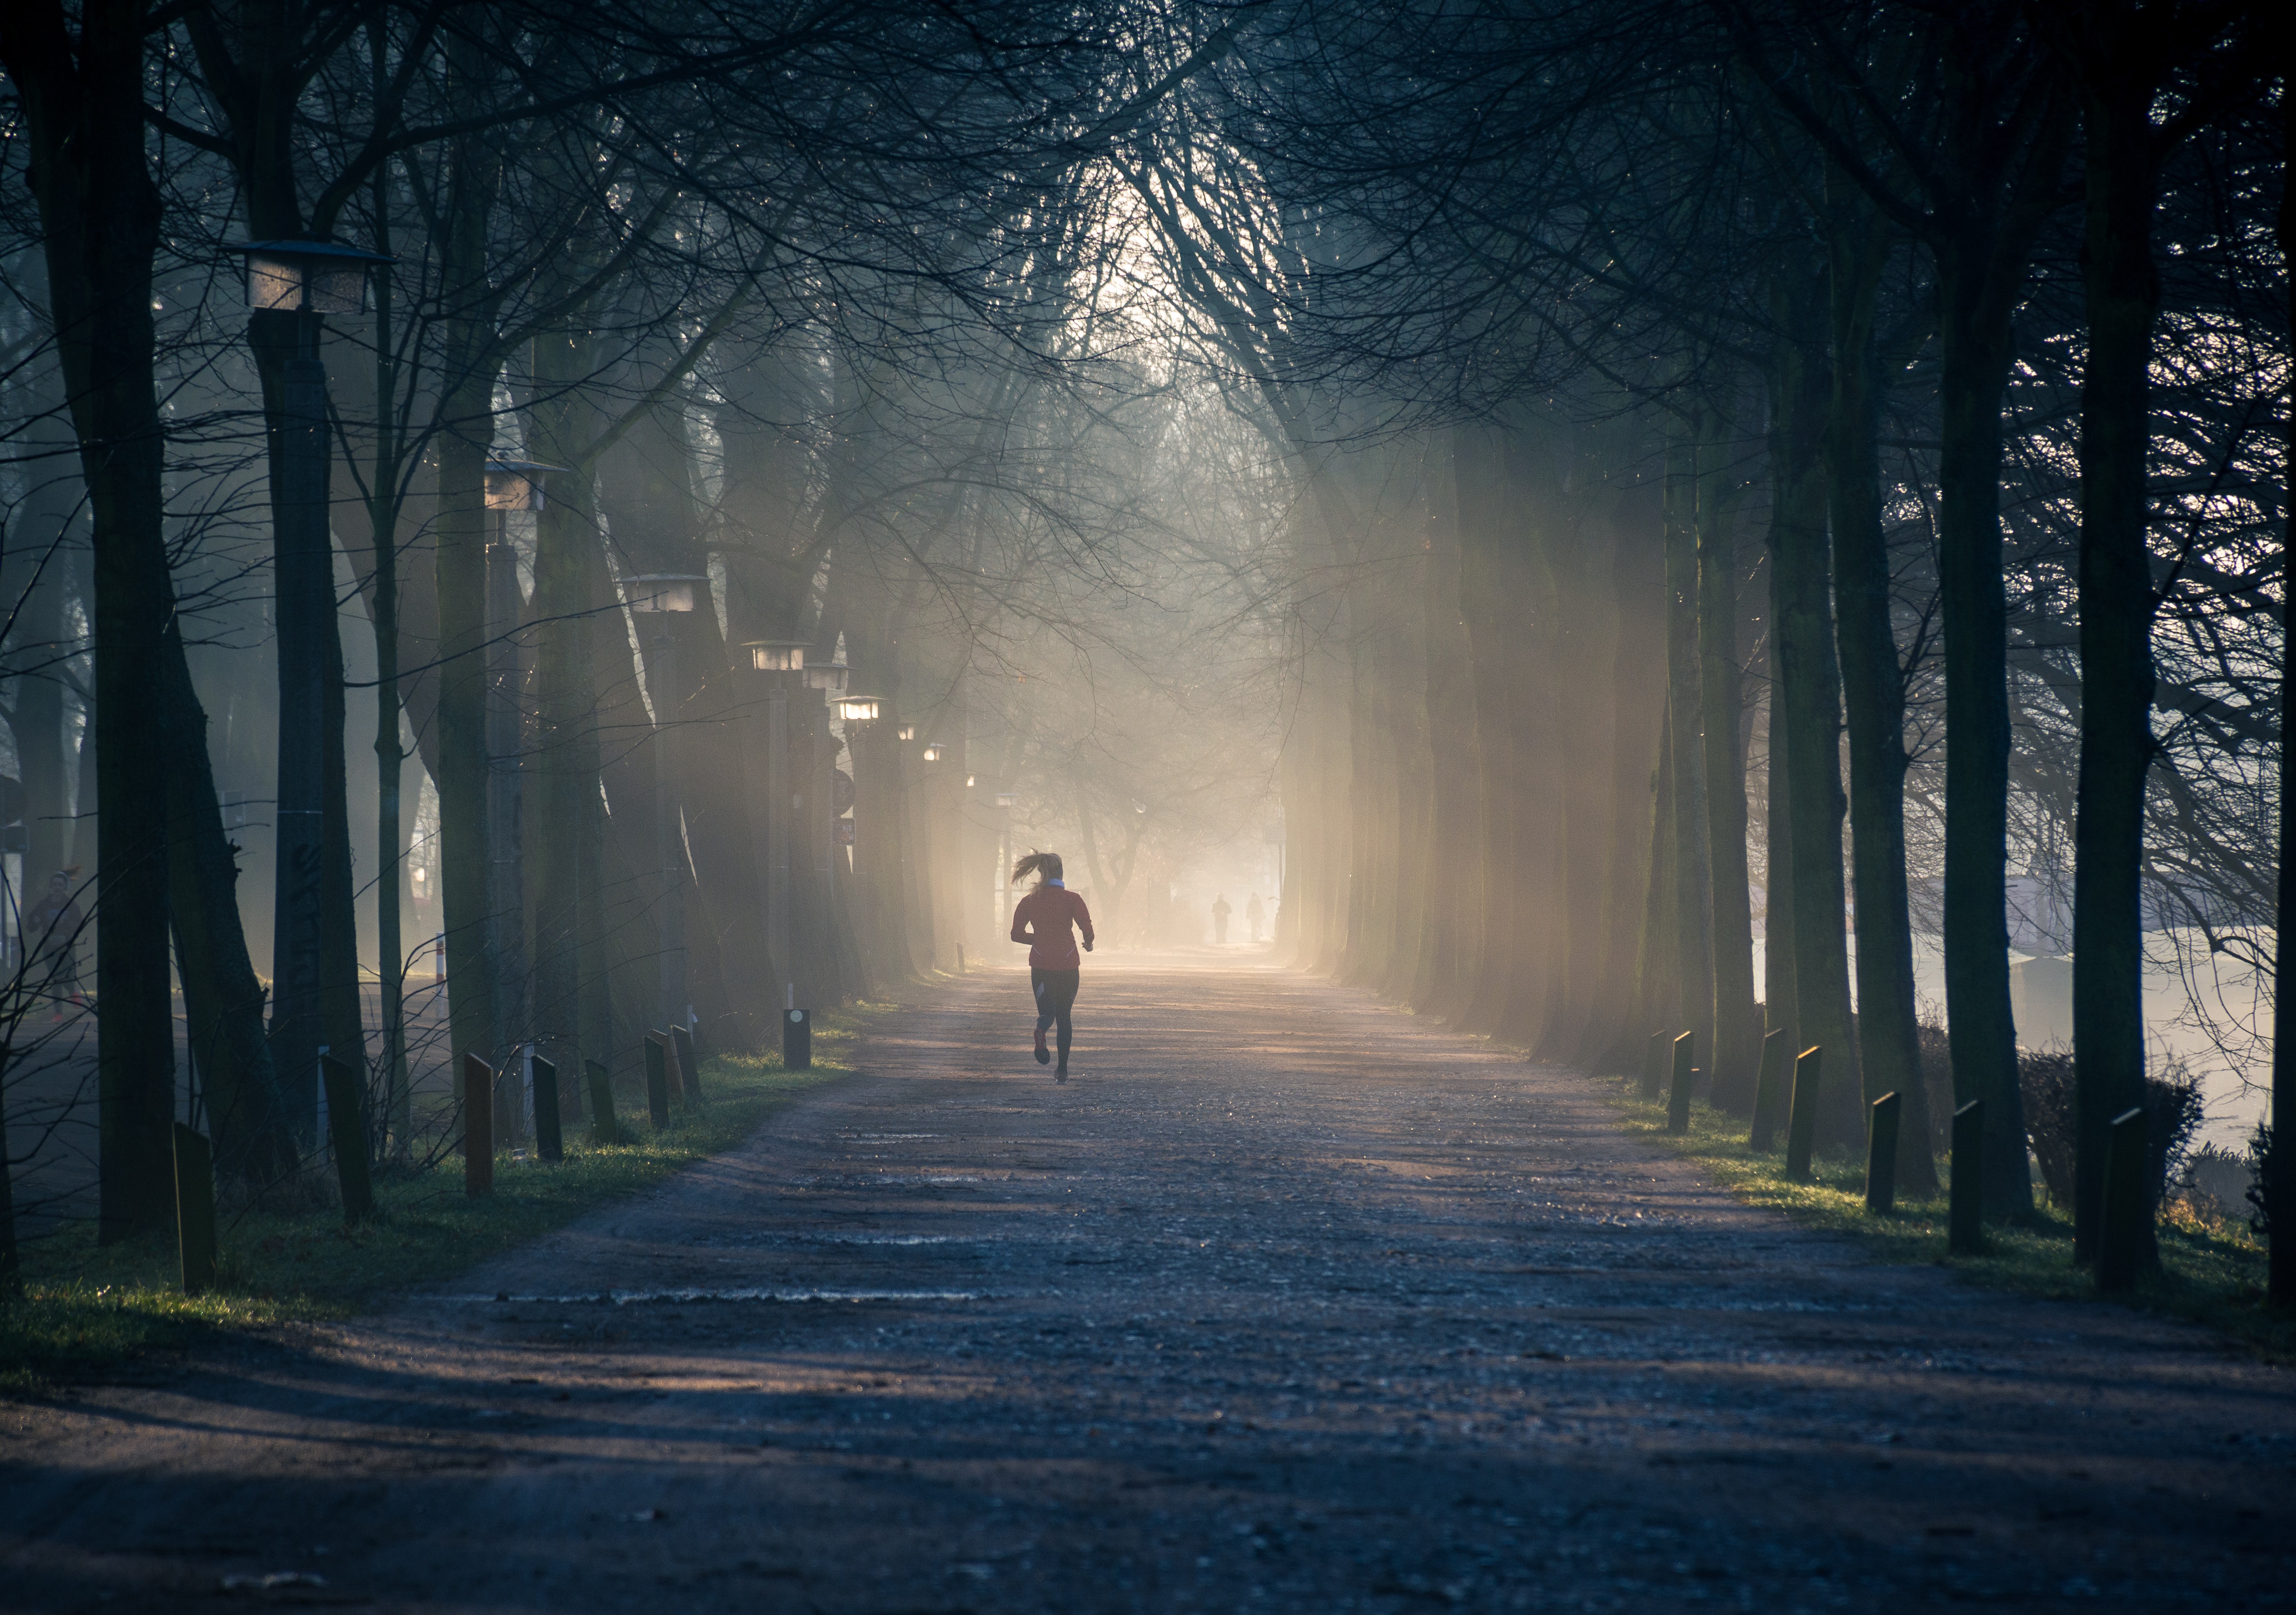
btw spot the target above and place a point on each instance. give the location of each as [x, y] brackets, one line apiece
[2212, 1267]
[92, 1313]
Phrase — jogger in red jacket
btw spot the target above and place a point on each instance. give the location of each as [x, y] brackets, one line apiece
[1045, 919]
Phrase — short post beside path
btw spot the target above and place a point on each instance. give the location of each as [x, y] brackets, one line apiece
[1801, 1122]
[549, 1133]
[1768, 1085]
[2120, 1252]
[656, 1073]
[1881, 1156]
[604, 1129]
[1685, 1078]
[688, 1064]
[1965, 1206]
[195, 1229]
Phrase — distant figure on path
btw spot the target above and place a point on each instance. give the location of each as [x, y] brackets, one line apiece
[1042, 919]
[1254, 913]
[1220, 912]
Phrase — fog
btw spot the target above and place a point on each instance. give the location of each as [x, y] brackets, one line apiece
[1519, 529]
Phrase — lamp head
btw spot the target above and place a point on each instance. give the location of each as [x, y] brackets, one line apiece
[306, 277]
[516, 485]
[652, 591]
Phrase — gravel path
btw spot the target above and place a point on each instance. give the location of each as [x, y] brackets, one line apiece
[1289, 1302]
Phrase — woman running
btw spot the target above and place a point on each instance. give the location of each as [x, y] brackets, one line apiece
[1043, 920]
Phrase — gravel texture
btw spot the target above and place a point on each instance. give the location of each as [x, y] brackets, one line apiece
[1287, 1302]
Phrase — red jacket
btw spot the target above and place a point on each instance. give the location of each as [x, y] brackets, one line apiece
[1042, 919]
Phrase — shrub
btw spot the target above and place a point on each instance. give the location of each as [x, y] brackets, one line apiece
[1936, 1046]
[2259, 1186]
[2173, 1110]
[2045, 1077]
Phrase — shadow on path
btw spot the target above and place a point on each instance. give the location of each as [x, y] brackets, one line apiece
[1288, 1301]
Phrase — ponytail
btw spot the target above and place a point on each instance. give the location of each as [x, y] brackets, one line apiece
[1045, 865]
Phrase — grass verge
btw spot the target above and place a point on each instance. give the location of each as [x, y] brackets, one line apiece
[114, 1312]
[2212, 1267]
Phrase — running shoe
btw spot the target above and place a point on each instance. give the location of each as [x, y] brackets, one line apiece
[1043, 1055]
[1061, 1075]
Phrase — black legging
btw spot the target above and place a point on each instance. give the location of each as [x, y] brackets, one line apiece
[1056, 991]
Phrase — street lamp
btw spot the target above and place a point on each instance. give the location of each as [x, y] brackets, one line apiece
[662, 596]
[776, 659]
[933, 751]
[908, 732]
[515, 485]
[306, 277]
[511, 485]
[831, 676]
[859, 709]
[656, 591]
[291, 286]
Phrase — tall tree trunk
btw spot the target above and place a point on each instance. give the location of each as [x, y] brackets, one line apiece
[1638, 684]
[81, 104]
[1486, 604]
[2117, 745]
[1982, 240]
[462, 528]
[1694, 924]
[1657, 971]
[2279, 1165]
[1808, 681]
[1974, 611]
[571, 600]
[1781, 1002]
[223, 1000]
[1873, 693]
[1449, 948]
[1737, 1034]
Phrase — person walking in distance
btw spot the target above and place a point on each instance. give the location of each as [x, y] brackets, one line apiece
[1254, 913]
[1046, 920]
[1220, 912]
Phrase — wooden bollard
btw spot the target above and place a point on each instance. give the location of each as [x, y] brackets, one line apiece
[195, 1222]
[2120, 1249]
[1966, 1208]
[657, 1068]
[1801, 1119]
[1881, 1156]
[346, 1131]
[605, 1129]
[478, 1126]
[1768, 1085]
[1685, 1078]
[1654, 1067]
[689, 1064]
[549, 1135]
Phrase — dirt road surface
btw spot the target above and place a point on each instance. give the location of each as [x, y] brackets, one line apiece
[1288, 1303]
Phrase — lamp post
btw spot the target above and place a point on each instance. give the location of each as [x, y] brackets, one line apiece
[779, 661]
[291, 286]
[660, 598]
[511, 485]
[1006, 800]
